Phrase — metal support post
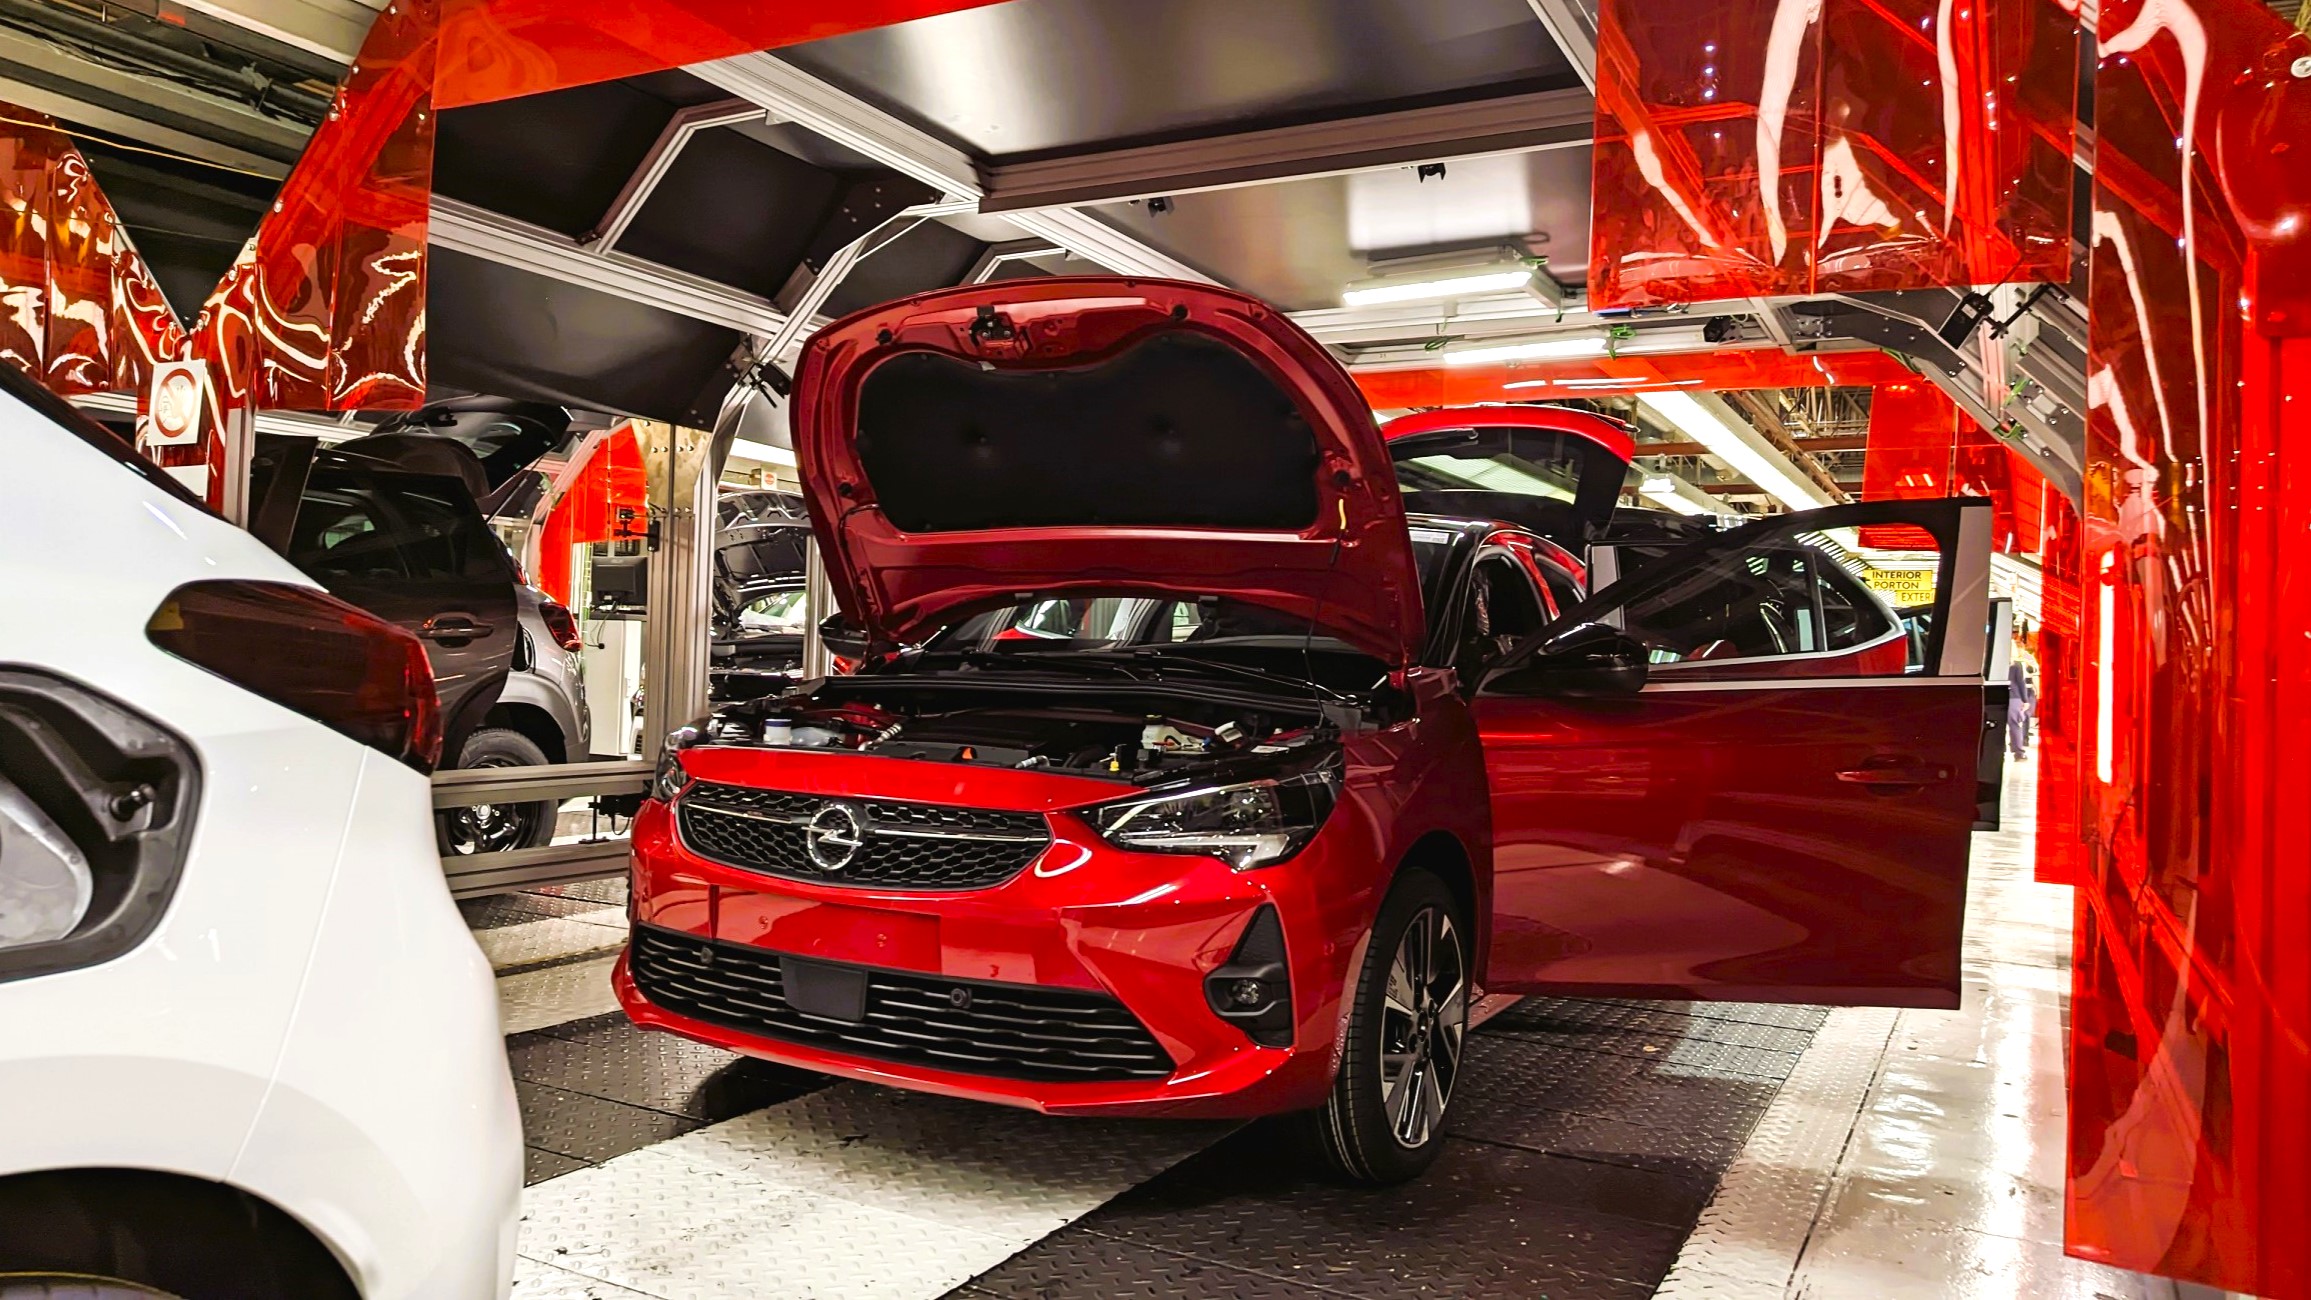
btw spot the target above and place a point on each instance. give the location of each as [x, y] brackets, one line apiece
[817, 603]
[679, 467]
[237, 436]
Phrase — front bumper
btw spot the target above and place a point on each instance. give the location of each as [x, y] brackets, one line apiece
[1143, 929]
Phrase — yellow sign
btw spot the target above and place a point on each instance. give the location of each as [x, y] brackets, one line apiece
[1903, 588]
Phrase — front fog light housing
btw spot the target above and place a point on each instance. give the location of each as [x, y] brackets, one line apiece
[1251, 824]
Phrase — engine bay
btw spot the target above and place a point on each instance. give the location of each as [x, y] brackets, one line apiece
[1111, 739]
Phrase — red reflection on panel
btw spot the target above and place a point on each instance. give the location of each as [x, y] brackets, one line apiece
[325, 310]
[500, 49]
[1547, 381]
[607, 501]
[79, 310]
[2061, 852]
[1753, 147]
[1912, 446]
[2191, 1016]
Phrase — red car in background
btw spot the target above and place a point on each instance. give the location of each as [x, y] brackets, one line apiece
[1252, 844]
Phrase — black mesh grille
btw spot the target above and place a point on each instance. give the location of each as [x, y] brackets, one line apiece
[1010, 1031]
[902, 845]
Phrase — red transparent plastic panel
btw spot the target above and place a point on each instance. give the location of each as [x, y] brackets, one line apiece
[79, 310]
[1716, 370]
[501, 49]
[2191, 1018]
[1784, 146]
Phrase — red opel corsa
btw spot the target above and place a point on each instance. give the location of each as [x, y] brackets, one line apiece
[1285, 776]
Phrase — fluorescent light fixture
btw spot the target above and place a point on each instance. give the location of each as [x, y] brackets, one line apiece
[1377, 293]
[1671, 494]
[1630, 383]
[747, 449]
[1763, 467]
[1590, 345]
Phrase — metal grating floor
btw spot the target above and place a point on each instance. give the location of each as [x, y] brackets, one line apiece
[1589, 1138]
[1584, 1145]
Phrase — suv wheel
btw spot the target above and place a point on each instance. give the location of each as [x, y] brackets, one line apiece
[497, 827]
[1384, 1121]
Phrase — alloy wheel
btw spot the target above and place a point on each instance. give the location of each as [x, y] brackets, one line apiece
[1424, 1016]
[488, 827]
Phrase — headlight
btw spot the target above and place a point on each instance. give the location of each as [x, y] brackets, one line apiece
[1248, 825]
[669, 779]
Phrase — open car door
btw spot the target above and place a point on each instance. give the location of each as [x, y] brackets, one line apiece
[1736, 775]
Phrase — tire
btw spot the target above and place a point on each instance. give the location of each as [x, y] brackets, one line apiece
[125, 1234]
[492, 828]
[75, 1286]
[1384, 1122]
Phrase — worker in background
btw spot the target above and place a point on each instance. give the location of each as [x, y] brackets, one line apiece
[2021, 703]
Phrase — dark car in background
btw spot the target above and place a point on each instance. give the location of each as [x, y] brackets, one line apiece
[393, 522]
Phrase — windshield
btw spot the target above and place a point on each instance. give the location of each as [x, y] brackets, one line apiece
[780, 613]
[1125, 622]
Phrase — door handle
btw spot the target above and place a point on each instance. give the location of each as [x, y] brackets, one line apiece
[454, 627]
[1893, 773]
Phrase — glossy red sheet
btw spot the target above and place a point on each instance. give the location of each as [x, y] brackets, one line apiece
[1762, 147]
[1922, 446]
[2191, 1050]
[502, 49]
[1712, 370]
[79, 310]
[611, 481]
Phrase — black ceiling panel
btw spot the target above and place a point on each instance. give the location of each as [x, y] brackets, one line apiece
[188, 220]
[1061, 76]
[494, 329]
[735, 210]
[558, 160]
[868, 201]
[930, 256]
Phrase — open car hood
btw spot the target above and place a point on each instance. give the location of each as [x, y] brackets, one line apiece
[1552, 469]
[965, 448]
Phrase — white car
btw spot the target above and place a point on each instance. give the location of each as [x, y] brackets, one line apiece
[248, 1048]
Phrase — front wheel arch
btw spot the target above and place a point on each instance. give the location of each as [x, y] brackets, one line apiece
[185, 1236]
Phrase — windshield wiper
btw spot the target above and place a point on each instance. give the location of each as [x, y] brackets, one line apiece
[1169, 659]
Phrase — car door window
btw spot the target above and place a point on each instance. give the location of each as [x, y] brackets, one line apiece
[1564, 592]
[1779, 598]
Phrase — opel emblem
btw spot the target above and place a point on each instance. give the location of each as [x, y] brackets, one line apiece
[833, 836]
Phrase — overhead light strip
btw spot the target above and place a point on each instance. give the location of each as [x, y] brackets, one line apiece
[1697, 422]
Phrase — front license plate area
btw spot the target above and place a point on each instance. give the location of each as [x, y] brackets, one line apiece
[824, 991]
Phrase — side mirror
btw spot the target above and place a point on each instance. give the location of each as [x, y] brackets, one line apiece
[1590, 660]
[842, 637]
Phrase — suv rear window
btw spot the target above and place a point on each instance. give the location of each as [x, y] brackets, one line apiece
[403, 527]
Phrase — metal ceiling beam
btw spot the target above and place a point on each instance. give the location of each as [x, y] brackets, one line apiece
[838, 115]
[1511, 123]
[1834, 443]
[45, 77]
[1411, 323]
[998, 255]
[332, 29]
[659, 160]
[485, 234]
[1768, 422]
[1573, 25]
